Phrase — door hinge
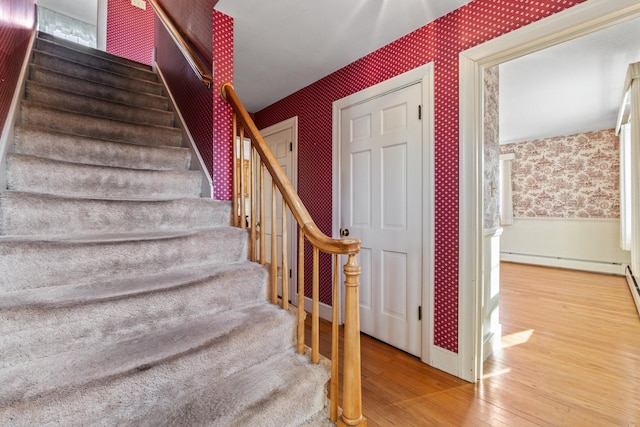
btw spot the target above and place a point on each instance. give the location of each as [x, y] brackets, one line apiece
[291, 146]
[419, 312]
[419, 112]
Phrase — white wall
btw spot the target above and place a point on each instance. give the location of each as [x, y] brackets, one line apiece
[84, 10]
[583, 244]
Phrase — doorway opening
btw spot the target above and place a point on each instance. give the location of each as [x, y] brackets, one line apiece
[577, 21]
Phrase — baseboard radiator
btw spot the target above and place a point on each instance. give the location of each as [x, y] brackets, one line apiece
[633, 286]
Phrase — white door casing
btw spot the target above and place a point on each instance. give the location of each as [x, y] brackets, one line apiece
[383, 176]
[573, 22]
[282, 139]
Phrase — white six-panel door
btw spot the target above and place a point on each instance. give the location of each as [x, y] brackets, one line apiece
[381, 203]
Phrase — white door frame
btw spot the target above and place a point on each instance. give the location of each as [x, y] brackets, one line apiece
[292, 226]
[424, 76]
[579, 20]
[101, 26]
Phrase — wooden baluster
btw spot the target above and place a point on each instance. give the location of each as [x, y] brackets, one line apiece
[352, 383]
[236, 221]
[285, 258]
[274, 246]
[300, 291]
[243, 188]
[335, 341]
[252, 195]
[263, 244]
[315, 308]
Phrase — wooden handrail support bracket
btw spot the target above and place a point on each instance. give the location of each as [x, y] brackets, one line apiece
[352, 376]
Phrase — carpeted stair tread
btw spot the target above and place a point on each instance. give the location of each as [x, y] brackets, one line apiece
[97, 89]
[32, 213]
[58, 145]
[28, 262]
[37, 174]
[96, 74]
[49, 38]
[59, 318]
[42, 115]
[70, 295]
[90, 59]
[77, 367]
[247, 399]
[81, 103]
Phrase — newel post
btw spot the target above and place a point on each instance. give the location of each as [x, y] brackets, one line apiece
[352, 383]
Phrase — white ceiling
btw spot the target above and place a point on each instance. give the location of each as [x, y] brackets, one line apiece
[281, 48]
[569, 88]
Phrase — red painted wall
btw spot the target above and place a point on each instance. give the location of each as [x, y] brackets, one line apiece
[17, 19]
[130, 31]
[440, 42]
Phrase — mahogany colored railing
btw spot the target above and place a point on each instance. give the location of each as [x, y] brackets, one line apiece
[250, 207]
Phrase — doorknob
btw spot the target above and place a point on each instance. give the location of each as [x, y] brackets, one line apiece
[344, 232]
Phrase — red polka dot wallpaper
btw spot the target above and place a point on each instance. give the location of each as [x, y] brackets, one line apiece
[223, 130]
[439, 42]
[130, 31]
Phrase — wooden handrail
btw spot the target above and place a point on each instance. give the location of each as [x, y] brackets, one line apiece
[196, 64]
[244, 127]
[299, 211]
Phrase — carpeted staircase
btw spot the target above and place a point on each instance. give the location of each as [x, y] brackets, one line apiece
[125, 297]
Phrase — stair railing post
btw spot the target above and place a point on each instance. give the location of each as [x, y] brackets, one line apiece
[352, 384]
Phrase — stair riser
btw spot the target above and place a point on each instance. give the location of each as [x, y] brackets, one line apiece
[198, 365]
[33, 333]
[96, 52]
[28, 265]
[94, 61]
[31, 214]
[77, 149]
[32, 174]
[93, 106]
[97, 127]
[95, 74]
[98, 90]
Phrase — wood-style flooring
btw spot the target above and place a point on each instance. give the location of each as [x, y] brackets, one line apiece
[570, 356]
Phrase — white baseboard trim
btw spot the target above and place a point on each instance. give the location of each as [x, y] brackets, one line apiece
[445, 360]
[326, 310]
[572, 264]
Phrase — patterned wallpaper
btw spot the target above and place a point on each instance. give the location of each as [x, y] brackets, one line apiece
[130, 31]
[491, 147]
[222, 112]
[440, 41]
[17, 19]
[574, 176]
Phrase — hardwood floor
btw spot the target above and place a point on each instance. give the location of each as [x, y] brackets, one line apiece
[570, 356]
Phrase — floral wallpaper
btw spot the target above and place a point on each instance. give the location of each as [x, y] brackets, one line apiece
[575, 176]
[491, 148]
